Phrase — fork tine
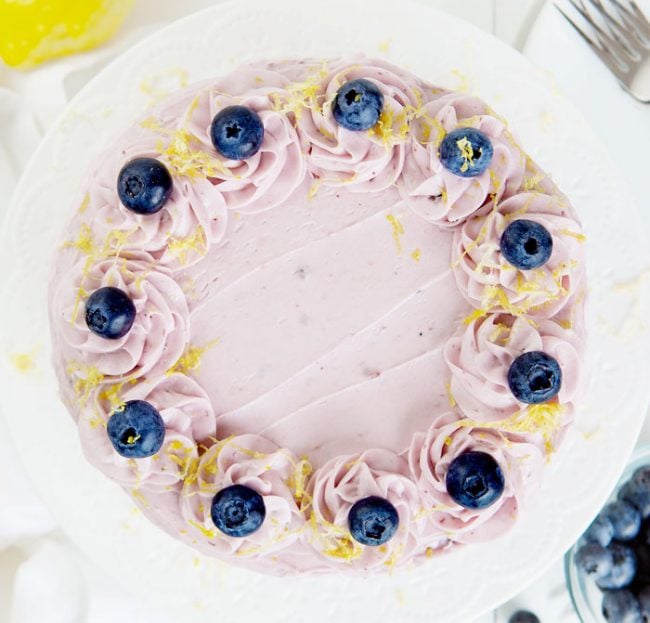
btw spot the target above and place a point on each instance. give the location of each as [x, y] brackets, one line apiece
[634, 18]
[606, 41]
[619, 31]
[604, 56]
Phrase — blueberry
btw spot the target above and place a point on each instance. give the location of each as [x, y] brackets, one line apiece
[358, 105]
[137, 430]
[372, 521]
[600, 531]
[110, 313]
[637, 495]
[621, 607]
[625, 518]
[534, 377]
[237, 132]
[623, 568]
[526, 244]
[144, 185]
[523, 616]
[642, 553]
[238, 510]
[642, 477]
[644, 602]
[466, 152]
[594, 560]
[475, 480]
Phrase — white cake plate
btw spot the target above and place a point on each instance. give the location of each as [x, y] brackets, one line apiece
[101, 519]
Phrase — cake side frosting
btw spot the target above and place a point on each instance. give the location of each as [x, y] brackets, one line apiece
[330, 320]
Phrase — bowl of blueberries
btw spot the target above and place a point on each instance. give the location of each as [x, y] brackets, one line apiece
[608, 569]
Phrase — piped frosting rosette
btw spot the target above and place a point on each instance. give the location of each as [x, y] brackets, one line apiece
[270, 176]
[194, 216]
[255, 462]
[440, 195]
[160, 331]
[189, 420]
[363, 161]
[344, 480]
[491, 284]
[450, 436]
[480, 357]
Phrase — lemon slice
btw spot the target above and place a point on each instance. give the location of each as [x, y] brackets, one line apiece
[33, 31]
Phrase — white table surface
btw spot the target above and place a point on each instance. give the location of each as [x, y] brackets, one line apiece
[42, 577]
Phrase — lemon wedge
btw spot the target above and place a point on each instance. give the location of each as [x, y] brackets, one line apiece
[34, 31]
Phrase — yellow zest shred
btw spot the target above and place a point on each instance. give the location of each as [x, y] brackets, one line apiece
[300, 95]
[207, 532]
[85, 380]
[22, 362]
[398, 230]
[195, 242]
[84, 203]
[190, 360]
[467, 153]
[574, 234]
[416, 254]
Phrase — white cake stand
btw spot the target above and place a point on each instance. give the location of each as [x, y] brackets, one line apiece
[101, 519]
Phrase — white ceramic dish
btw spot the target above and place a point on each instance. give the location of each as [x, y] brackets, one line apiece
[101, 519]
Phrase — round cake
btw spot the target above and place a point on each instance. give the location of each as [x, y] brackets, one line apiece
[321, 316]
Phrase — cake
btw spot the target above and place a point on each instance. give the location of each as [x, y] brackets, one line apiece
[321, 316]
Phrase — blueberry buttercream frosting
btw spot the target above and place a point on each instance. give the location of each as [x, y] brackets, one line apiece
[321, 316]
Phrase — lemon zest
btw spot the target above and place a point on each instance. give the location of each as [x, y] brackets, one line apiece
[190, 360]
[398, 230]
[22, 362]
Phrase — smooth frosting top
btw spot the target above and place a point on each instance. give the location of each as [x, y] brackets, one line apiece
[328, 320]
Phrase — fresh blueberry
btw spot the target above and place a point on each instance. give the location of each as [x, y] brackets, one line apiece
[523, 616]
[238, 510]
[526, 244]
[475, 480]
[144, 185]
[625, 518]
[621, 607]
[357, 105]
[644, 602]
[372, 521]
[466, 152]
[594, 560]
[237, 132]
[623, 568]
[110, 313]
[642, 553]
[637, 495]
[642, 477]
[136, 430]
[534, 377]
[600, 531]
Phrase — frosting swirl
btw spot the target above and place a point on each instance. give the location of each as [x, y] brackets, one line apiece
[192, 219]
[189, 419]
[429, 457]
[250, 460]
[492, 284]
[270, 176]
[159, 333]
[362, 161]
[479, 360]
[437, 194]
[344, 480]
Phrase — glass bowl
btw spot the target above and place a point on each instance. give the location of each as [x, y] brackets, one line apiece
[585, 595]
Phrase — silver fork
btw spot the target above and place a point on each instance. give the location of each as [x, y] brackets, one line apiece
[619, 34]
